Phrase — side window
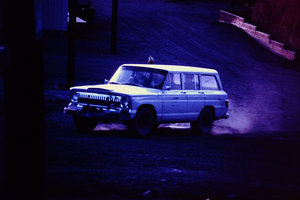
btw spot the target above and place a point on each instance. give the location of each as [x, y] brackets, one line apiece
[173, 81]
[190, 82]
[157, 80]
[209, 82]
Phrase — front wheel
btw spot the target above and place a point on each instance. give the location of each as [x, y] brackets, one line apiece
[85, 124]
[203, 125]
[143, 123]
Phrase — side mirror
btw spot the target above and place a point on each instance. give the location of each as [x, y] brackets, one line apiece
[105, 81]
[167, 87]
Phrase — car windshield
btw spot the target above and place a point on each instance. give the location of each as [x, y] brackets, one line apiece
[139, 76]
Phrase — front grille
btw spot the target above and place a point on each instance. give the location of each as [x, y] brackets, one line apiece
[94, 101]
[99, 99]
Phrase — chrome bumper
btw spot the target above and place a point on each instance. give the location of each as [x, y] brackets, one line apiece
[226, 116]
[99, 112]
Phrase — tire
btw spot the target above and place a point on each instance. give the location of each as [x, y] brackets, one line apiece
[85, 124]
[204, 123]
[143, 123]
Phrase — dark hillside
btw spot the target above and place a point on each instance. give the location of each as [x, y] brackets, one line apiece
[280, 18]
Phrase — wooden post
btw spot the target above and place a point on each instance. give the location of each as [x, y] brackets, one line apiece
[114, 26]
[71, 44]
[24, 137]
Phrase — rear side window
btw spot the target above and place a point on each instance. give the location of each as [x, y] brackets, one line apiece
[190, 82]
[173, 81]
[209, 82]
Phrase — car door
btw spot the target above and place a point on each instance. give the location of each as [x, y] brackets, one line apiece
[195, 97]
[174, 99]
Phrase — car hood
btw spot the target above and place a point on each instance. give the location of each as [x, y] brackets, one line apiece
[120, 89]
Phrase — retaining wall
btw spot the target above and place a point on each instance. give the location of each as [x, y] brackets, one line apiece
[263, 38]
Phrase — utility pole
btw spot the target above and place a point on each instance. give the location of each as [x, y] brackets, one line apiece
[114, 26]
[24, 136]
[71, 43]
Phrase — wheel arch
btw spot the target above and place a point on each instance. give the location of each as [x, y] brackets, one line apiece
[149, 106]
[212, 108]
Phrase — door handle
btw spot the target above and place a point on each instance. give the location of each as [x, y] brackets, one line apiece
[201, 92]
[183, 92]
[175, 98]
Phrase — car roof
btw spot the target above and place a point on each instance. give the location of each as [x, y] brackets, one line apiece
[175, 68]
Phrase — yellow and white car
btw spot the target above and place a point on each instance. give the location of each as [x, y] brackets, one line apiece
[144, 95]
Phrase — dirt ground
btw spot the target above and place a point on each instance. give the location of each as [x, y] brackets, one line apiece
[172, 164]
[251, 155]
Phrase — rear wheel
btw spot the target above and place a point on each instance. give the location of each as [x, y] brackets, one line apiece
[143, 123]
[203, 125]
[85, 124]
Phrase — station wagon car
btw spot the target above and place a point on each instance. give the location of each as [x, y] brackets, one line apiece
[142, 96]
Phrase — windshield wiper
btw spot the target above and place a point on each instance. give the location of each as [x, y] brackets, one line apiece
[114, 83]
[135, 84]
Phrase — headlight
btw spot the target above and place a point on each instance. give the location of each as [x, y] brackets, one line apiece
[74, 97]
[125, 102]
